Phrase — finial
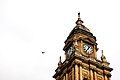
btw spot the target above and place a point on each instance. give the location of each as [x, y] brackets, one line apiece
[79, 15]
[103, 58]
[102, 52]
[59, 63]
[79, 21]
[60, 58]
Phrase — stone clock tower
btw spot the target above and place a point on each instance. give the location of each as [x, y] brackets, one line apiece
[81, 61]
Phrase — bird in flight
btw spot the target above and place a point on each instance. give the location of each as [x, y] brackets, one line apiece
[43, 52]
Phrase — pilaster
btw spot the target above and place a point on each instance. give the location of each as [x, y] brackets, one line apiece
[66, 76]
[73, 72]
[80, 72]
[91, 75]
[95, 75]
[76, 72]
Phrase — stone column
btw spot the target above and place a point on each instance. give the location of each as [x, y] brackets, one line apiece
[63, 77]
[95, 75]
[76, 72]
[91, 75]
[66, 78]
[80, 73]
[73, 72]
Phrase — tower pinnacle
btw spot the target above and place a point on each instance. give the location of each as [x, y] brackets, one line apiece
[103, 58]
[59, 63]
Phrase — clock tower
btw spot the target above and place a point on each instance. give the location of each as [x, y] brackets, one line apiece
[81, 61]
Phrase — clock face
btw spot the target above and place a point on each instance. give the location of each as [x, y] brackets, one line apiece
[88, 48]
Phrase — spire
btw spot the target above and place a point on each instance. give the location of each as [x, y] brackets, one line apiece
[59, 63]
[103, 58]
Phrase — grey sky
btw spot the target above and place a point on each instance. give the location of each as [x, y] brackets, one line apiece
[28, 27]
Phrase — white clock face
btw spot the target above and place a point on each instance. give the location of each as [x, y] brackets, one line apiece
[88, 48]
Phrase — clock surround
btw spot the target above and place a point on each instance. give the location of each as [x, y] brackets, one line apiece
[88, 48]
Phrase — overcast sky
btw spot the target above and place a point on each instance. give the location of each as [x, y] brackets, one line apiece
[28, 27]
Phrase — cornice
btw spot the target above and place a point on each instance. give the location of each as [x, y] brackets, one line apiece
[91, 63]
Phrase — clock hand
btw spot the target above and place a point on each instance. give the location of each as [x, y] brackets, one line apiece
[87, 48]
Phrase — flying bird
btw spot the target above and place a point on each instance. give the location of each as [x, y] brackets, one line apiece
[43, 52]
